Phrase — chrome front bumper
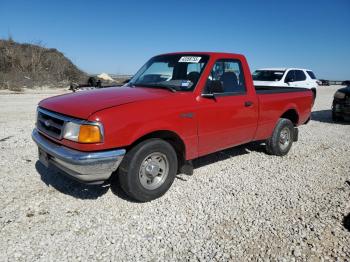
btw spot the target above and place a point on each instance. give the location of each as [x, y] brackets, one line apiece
[86, 167]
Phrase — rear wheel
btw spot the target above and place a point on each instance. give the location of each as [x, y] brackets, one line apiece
[282, 138]
[148, 170]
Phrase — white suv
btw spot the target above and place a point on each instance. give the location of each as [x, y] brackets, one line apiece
[289, 77]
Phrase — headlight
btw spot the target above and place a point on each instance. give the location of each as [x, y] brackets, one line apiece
[83, 133]
[339, 95]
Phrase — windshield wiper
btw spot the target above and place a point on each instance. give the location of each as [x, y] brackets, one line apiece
[171, 89]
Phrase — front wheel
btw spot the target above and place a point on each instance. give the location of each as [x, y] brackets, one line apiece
[148, 170]
[282, 138]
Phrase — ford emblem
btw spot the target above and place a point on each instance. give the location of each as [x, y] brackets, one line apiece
[47, 123]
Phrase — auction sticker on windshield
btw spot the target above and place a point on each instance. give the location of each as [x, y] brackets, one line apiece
[190, 59]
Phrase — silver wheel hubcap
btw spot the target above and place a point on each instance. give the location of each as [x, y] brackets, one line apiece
[284, 138]
[154, 170]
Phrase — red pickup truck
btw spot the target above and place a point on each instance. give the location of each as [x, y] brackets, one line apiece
[176, 108]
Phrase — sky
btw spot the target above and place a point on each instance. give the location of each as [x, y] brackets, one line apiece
[120, 36]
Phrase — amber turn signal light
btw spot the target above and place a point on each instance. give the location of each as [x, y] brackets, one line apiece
[89, 134]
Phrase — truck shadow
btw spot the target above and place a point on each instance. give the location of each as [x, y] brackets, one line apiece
[228, 153]
[118, 191]
[325, 116]
[346, 222]
[53, 177]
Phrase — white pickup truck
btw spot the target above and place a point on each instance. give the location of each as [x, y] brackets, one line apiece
[289, 77]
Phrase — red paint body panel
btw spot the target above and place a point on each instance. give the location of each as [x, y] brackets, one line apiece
[84, 104]
[225, 122]
[129, 113]
[272, 106]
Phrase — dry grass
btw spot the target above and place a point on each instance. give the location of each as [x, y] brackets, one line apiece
[29, 65]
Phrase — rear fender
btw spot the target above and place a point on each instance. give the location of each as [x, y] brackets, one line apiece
[290, 106]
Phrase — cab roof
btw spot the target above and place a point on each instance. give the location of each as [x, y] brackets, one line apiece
[216, 54]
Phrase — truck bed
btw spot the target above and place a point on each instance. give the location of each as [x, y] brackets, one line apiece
[278, 89]
[275, 99]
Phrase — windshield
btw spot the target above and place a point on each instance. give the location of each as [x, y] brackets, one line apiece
[177, 72]
[268, 75]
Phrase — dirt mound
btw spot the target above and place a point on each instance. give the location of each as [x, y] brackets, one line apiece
[28, 65]
[105, 77]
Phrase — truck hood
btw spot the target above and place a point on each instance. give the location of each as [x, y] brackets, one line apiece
[85, 103]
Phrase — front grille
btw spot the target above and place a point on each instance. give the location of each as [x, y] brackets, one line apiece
[50, 124]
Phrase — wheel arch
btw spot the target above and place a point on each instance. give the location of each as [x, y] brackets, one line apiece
[170, 136]
[292, 115]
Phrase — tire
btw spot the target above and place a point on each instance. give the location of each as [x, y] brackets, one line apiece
[148, 170]
[336, 118]
[313, 96]
[282, 138]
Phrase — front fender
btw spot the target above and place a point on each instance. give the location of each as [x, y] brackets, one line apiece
[126, 124]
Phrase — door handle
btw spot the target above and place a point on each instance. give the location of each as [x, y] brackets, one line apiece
[248, 103]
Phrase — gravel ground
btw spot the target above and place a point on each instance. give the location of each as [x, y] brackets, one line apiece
[240, 204]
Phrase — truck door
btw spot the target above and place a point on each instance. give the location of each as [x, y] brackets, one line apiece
[229, 117]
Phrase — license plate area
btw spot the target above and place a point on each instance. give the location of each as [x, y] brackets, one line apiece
[43, 158]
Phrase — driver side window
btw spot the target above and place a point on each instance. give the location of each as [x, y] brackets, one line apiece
[226, 77]
[290, 77]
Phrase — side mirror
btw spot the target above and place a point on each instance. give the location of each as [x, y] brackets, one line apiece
[213, 87]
